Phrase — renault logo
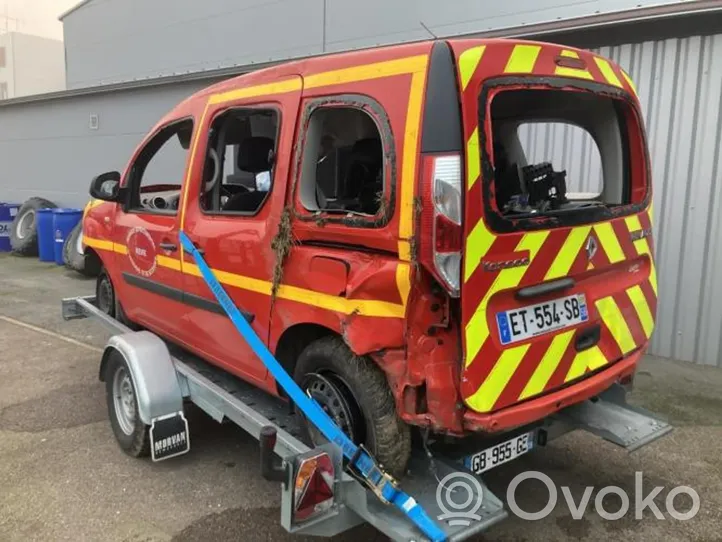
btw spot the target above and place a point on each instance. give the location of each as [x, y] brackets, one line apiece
[591, 247]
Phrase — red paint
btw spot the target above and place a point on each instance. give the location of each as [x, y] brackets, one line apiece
[421, 350]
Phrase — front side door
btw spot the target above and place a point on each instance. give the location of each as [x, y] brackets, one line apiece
[147, 281]
[233, 210]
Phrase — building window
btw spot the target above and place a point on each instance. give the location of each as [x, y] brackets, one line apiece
[2, 57]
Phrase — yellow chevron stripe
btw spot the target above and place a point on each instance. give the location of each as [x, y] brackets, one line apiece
[613, 319]
[468, 61]
[567, 254]
[608, 72]
[572, 72]
[522, 59]
[488, 393]
[609, 242]
[630, 82]
[477, 329]
[473, 159]
[637, 298]
[478, 244]
[592, 357]
[633, 223]
[642, 246]
[547, 365]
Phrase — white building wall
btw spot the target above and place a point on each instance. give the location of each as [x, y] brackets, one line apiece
[33, 64]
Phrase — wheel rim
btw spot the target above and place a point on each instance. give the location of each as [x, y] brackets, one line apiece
[337, 400]
[124, 401]
[25, 224]
[105, 295]
[79, 243]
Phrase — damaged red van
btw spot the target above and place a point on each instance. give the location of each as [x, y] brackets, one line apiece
[451, 235]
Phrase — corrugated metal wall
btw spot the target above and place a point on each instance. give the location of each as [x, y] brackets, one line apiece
[680, 87]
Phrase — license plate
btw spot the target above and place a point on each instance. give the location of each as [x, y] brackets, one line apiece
[500, 453]
[525, 322]
[169, 436]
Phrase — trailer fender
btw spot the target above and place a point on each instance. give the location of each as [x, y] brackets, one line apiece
[152, 370]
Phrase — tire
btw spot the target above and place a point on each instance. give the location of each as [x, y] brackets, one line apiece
[24, 228]
[355, 392]
[129, 430]
[74, 256]
[105, 293]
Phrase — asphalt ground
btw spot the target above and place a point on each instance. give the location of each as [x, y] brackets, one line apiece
[62, 477]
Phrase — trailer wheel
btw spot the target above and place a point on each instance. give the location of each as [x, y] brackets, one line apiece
[105, 293]
[130, 431]
[356, 394]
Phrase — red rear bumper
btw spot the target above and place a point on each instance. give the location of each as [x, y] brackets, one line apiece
[541, 407]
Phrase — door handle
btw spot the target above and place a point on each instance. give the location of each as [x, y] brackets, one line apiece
[545, 288]
[170, 247]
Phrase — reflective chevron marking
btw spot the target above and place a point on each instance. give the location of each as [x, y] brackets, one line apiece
[483, 400]
[547, 365]
[615, 322]
[639, 302]
[477, 329]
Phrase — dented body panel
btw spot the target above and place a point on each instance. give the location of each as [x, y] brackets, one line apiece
[363, 278]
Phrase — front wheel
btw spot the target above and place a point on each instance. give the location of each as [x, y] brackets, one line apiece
[130, 431]
[354, 392]
[105, 293]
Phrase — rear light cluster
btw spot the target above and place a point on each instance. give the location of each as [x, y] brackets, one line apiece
[441, 222]
[313, 487]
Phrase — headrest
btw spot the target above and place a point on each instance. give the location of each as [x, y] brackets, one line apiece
[367, 150]
[254, 153]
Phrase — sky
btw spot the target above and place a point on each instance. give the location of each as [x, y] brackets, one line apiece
[38, 17]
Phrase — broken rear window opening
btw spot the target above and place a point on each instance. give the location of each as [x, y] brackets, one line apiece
[343, 163]
[559, 156]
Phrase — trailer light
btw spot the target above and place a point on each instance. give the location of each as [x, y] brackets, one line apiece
[313, 489]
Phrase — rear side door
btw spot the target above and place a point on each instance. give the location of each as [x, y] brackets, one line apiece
[235, 202]
[552, 291]
[147, 275]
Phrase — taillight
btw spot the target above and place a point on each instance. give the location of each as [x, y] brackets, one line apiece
[442, 178]
[313, 487]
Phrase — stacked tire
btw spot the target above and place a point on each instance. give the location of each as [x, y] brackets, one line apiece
[24, 229]
[75, 258]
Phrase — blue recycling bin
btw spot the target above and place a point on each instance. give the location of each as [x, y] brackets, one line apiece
[8, 211]
[44, 222]
[64, 220]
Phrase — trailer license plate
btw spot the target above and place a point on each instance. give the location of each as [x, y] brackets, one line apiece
[525, 322]
[500, 453]
[169, 436]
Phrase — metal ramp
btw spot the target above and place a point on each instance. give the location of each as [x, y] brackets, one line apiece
[612, 418]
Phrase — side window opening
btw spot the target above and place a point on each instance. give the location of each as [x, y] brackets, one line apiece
[557, 151]
[343, 166]
[157, 174]
[238, 170]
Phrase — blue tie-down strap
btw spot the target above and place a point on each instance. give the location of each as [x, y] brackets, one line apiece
[365, 466]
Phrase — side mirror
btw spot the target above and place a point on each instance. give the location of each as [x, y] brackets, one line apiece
[106, 187]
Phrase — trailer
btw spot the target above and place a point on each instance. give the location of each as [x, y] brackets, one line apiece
[320, 494]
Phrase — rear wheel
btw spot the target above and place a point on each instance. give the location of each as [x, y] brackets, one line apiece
[130, 431]
[354, 392]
